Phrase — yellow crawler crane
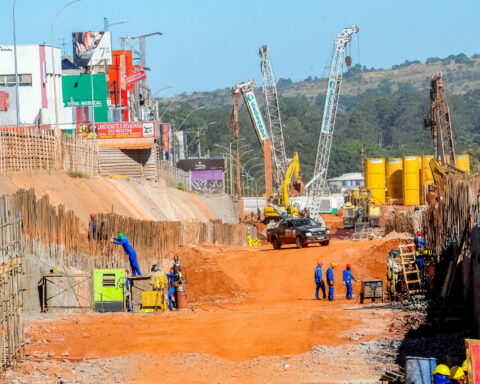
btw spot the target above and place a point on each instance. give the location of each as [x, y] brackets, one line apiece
[280, 205]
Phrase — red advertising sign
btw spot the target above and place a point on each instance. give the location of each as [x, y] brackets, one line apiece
[165, 143]
[124, 130]
[137, 76]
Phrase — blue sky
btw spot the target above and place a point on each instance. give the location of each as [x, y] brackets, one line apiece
[213, 44]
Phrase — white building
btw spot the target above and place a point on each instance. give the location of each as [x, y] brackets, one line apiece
[36, 91]
[346, 182]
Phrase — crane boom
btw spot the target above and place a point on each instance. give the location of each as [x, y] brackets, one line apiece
[319, 186]
[246, 89]
[438, 121]
[274, 120]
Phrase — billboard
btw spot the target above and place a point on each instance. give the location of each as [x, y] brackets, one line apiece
[91, 48]
[207, 181]
[137, 76]
[125, 130]
[201, 164]
[254, 111]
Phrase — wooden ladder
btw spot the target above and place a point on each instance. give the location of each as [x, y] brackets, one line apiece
[411, 273]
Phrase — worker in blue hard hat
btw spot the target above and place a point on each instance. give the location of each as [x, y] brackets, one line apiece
[320, 284]
[127, 247]
[331, 281]
[441, 374]
[347, 280]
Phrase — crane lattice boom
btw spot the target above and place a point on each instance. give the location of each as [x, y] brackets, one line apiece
[274, 120]
[319, 187]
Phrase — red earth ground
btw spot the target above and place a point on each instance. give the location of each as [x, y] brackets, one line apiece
[253, 319]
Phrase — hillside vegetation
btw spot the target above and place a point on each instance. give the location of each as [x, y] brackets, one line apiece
[380, 110]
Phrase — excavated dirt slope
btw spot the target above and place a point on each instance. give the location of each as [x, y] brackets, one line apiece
[253, 320]
[140, 199]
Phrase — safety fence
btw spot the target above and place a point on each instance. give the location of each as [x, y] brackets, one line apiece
[12, 336]
[80, 155]
[173, 176]
[32, 151]
[27, 151]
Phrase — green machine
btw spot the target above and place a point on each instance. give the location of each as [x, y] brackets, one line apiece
[108, 286]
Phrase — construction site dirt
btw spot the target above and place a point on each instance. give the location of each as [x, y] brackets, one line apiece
[253, 319]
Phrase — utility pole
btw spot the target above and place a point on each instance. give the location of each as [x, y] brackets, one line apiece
[140, 87]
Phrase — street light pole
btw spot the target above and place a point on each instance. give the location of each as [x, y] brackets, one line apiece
[16, 68]
[53, 62]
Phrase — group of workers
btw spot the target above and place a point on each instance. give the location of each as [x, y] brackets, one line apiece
[157, 278]
[444, 375]
[320, 284]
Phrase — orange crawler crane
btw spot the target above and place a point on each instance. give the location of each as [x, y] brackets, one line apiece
[246, 89]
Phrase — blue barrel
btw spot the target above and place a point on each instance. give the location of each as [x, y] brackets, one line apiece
[418, 370]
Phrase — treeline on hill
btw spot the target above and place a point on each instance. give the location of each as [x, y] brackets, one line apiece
[385, 123]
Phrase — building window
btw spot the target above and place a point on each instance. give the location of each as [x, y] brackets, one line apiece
[9, 80]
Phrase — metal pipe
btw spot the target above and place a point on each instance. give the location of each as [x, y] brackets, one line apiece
[53, 62]
[16, 68]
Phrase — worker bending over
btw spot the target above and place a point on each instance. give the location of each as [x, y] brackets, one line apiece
[132, 256]
[319, 281]
[331, 281]
[347, 280]
[171, 289]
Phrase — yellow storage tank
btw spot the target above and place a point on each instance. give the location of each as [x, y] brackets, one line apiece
[463, 162]
[395, 180]
[426, 177]
[411, 180]
[375, 179]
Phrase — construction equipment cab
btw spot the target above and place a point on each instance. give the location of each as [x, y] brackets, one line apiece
[358, 208]
[299, 231]
[282, 205]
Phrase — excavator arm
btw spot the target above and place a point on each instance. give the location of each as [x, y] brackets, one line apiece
[292, 172]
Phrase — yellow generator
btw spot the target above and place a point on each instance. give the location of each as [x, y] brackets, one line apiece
[359, 209]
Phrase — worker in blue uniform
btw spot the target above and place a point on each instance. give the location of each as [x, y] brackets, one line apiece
[171, 288]
[419, 241]
[331, 282]
[132, 256]
[347, 280]
[440, 374]
[319, 281]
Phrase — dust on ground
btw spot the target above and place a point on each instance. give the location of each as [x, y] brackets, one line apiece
[253, 319]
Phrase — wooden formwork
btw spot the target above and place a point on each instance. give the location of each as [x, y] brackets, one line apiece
[12, 337]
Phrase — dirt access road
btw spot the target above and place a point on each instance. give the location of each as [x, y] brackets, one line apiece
[254, 320]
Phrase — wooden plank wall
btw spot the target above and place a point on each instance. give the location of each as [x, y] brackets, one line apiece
[138, 163]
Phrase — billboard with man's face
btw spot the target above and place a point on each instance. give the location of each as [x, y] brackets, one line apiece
[91, 48]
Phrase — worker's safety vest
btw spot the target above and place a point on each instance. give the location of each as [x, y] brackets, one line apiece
[159, 282]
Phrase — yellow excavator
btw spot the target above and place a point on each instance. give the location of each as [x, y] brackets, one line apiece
[281, 205]
[358, 208]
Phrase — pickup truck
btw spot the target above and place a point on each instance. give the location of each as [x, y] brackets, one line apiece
[300, 231]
